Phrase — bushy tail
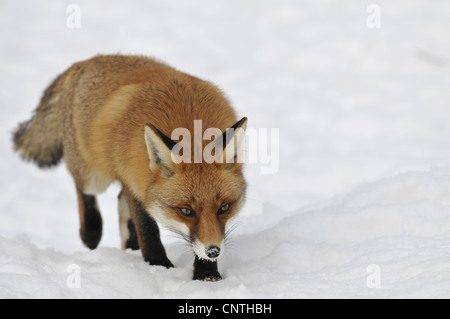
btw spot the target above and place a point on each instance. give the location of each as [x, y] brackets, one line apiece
[40, 139]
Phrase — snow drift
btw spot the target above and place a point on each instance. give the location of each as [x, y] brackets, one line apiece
[400, 225]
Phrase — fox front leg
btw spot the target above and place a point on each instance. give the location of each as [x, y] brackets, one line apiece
[206, 270]
[147, 234]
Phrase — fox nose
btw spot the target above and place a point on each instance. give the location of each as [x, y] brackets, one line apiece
[212, 251]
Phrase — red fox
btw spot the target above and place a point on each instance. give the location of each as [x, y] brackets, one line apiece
[111, 119]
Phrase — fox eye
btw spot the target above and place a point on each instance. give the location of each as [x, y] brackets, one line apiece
[224, 209]
[186, 212]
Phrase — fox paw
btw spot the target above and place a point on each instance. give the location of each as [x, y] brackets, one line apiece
[91, 238]
[207, 276]
[166, 263]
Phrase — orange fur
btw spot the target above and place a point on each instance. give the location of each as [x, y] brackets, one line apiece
[101, 107]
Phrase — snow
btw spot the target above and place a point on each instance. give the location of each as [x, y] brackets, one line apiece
[360, 204]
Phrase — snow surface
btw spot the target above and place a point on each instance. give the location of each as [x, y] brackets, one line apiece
[362, 194]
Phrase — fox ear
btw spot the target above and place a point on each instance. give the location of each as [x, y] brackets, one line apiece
[233, 143]
[159, 148]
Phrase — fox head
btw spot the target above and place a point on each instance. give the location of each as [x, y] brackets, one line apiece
[196, 199]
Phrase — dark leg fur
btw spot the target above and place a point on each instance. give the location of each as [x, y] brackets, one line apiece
[206, 270]
[90, 220]
[148, 234]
